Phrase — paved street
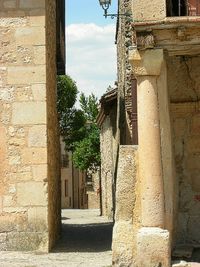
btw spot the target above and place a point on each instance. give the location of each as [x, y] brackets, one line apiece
[85, 241]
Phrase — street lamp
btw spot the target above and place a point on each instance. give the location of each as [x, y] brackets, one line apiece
[105, 4]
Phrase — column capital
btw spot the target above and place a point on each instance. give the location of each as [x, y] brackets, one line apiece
[146, 62]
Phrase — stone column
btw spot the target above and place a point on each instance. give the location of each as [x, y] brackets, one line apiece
[152, 241]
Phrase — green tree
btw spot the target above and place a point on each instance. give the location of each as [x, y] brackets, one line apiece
[78, 126]
[86, 153]
[71, 120]
[89, 106]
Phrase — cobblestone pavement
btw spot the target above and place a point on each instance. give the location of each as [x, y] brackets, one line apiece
[86, 242]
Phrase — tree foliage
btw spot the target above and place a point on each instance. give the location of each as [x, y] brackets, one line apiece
[87, 151]
[78, 126]
[89, 106]
[71, 120]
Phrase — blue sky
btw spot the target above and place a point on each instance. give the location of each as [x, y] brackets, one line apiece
[91, 52]
[87, 11]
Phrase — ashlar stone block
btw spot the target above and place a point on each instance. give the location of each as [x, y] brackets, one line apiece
[32, 4]
[30, 35]
[39, 92]
[9, 4]
[153, 247]
[34, 155]
[31, 193]
[37, 136]
[39, 172]
[29, 113]
[25, 74]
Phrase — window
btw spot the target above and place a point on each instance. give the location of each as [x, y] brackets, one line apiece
[66, 188]
[65, 161]
[183, 8]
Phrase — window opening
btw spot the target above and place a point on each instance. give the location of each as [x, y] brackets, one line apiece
[183, 8]
[65, 161]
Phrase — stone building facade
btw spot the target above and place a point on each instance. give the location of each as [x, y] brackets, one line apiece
[79, 189]
[161, 48]
[106, 120]
[29, 140]
[93, 190]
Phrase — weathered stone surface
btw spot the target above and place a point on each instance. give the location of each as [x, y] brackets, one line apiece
[26, 241]
[30, 36]
[148, 10]
[37, 17]
[32, 4]
[39, 172]
[10, 4]
[37, 219]
[29, 113]
[25, 74]
[195, 125]
[3, 152]
[39, 92]
[126, 186]
[193, 145]
[34, 155]
[180, 127]
[11, 222]
[40, 55]
[124, 231]
[150, 63]
[3, 238]
[123, 244]
[31, 193]
[24, 25]
[153, 247]
[8, 200]
[37, 136]
[106, 168]
[23, 93]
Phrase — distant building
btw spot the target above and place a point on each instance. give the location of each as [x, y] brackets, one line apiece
[73, 183]
[79, 190]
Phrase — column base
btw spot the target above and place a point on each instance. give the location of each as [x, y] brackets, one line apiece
[153, 247]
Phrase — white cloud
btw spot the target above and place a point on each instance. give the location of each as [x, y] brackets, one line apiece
[91, 57]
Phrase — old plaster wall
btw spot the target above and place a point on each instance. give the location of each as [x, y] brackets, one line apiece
[25, 170]
[184, 87]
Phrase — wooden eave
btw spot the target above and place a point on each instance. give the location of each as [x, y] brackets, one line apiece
[60, 36]
[106, 104]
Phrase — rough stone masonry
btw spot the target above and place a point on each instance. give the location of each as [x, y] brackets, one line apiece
[29, 160]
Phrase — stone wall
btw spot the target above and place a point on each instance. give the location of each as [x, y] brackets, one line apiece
[127, 215]
[107, 171]
[147, 10]
[53, 138]
[125, 36]
[25, 129]
[184, 87]
[94, 192]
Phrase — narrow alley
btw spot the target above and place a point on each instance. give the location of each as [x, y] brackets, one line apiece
[85, 241]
